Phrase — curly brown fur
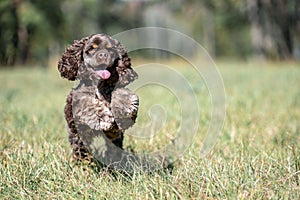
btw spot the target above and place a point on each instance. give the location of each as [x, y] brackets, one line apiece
[100, 102]
[72, 59]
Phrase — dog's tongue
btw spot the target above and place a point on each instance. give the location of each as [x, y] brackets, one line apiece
[104, 74]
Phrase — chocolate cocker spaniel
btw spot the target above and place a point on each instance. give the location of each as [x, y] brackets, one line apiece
[100, 102]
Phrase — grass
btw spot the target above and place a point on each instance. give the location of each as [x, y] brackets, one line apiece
[257, 155]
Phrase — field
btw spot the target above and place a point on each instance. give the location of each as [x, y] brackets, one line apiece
[257, 155]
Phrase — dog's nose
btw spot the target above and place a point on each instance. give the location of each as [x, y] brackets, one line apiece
[103, 55]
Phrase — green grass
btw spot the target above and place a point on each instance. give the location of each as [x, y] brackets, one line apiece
[257, 156]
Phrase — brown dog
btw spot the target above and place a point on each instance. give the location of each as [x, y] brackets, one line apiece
[100, 103]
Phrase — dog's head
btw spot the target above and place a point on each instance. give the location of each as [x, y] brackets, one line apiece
[96, 57]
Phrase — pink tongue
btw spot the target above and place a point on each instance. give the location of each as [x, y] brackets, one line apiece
[104, 74]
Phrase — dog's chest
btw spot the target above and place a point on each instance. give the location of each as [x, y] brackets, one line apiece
[89, 97]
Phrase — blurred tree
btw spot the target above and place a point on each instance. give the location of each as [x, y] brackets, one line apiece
[9, 41]
[220, 26]
[115, 16]
[27, 27]
[275, 28]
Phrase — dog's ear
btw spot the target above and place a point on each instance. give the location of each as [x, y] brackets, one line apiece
[72, 59]
[125, 72]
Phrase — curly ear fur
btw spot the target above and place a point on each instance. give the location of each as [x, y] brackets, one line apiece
[126, 73]
[72, 59]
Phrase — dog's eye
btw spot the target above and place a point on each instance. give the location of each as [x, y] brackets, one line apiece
[92, 49]
[95, 46]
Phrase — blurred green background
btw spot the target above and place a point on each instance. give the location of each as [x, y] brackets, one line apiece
[256, 43]
[36, 31]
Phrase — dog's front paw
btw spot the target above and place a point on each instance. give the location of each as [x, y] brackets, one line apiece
[105, 117]
[124, 106]
[106, 125]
